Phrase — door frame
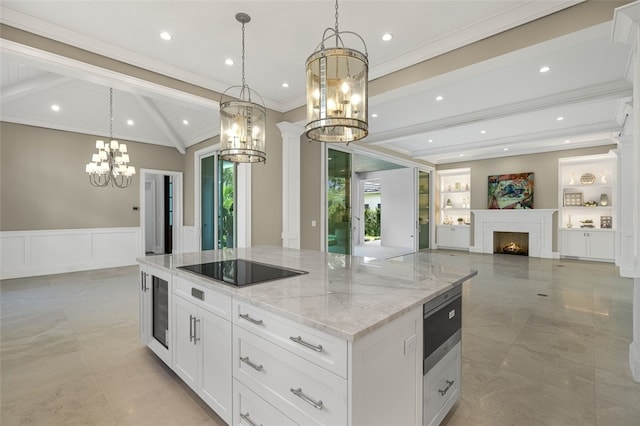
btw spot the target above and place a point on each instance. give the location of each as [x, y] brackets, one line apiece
[242, 194]
[361, 150]
[177, 207]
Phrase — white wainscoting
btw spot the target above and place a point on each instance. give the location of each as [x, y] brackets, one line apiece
[31, 253]
[190, 239]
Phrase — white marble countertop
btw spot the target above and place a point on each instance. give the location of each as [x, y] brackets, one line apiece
[346, 296]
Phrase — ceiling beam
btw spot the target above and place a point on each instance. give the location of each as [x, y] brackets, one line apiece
[610, 90]
[513, 141]
[150, 107]
[13, 92]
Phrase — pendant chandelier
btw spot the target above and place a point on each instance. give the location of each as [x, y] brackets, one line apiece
[337, 81]
[110, 164]
[242, 122]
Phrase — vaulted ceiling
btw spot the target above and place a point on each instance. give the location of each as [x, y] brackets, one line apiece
[495, 107]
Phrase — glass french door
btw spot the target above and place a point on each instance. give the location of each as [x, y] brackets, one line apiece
[217, 201]
[339, 202]
[423, 210]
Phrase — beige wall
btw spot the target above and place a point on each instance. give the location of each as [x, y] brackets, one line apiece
[43, 184]
[310, 189]
[545, 169]
[544, 166]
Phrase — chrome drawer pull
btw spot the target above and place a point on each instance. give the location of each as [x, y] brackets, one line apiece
[248, 318]
[306, 344]
[191, 328]
[247, 419]
[305, 398]
[445, 390]
[250, 364]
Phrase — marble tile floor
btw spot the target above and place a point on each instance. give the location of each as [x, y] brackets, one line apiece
[545, 342]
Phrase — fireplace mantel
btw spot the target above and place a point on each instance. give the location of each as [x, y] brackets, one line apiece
[538, 223]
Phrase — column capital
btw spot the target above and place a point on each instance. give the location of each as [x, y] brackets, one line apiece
[626, 20]
[288, 129]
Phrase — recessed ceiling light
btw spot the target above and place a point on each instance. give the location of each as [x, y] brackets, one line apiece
[374, 115]
[430, 140]
[461, 155]
[185, 122]
[130, 122]
[560, 118]
[55, 107]
[228, 61]
[165, 35]
[285, 84]
[505, 149]
[439, 98]
[567, 140]
[387, 36]
[482, 132]
[544, 69]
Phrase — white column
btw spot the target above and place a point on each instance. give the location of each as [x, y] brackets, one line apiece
[626, 21]
[290, 183]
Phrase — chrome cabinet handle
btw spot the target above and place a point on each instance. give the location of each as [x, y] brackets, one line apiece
[248, 318]
[247, 419]
[141, 281]
[191, 328]
[298, 392]
[445, 390]
[196, 339]
[251, 364]
[299, 341]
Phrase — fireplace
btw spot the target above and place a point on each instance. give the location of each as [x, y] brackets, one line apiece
[516, 243]
[538, 223]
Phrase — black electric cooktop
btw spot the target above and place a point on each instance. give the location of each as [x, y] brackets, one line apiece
[240, 273]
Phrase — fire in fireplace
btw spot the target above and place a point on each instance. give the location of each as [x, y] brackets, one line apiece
[511, 243]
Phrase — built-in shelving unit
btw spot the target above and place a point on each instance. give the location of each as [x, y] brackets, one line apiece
[454, 204]
[587, 218]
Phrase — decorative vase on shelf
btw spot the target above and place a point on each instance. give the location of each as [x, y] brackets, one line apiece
[448, 202]
[569, 224]
[604, 200]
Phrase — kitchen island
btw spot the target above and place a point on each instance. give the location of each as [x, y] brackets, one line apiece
[340, 344]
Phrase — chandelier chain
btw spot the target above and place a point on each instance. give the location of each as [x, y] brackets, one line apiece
[336, 17]
[110, 113]
[243, 80]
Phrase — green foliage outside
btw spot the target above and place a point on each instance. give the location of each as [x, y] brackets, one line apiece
[371, 223]
[226, 206]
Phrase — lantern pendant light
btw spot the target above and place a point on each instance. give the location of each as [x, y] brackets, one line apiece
[242, 122]
[337, 85]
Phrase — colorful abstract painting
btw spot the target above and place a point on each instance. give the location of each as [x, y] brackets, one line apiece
[512, 191]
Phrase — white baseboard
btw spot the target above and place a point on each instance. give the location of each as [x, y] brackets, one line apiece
[32, 253]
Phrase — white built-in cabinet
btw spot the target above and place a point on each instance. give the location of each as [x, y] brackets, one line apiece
[202, 357]
[587, 206]
[454, 203]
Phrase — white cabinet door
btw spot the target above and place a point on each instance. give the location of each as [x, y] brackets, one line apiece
[186, 350]
[574, 243]
[215, 377]
[602, 245]
[453, 236]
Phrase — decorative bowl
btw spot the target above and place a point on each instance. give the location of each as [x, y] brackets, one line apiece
[587, 179]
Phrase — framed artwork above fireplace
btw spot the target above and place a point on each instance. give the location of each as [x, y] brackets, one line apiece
[511, 191]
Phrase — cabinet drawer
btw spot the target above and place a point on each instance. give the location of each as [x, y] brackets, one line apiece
[320, 348]
[211, 300]
[306, 393]
[441, 387]
[249, 408]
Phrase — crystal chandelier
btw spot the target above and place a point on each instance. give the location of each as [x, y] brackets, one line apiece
[337, 81]
[242, 122]
[109, 164]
